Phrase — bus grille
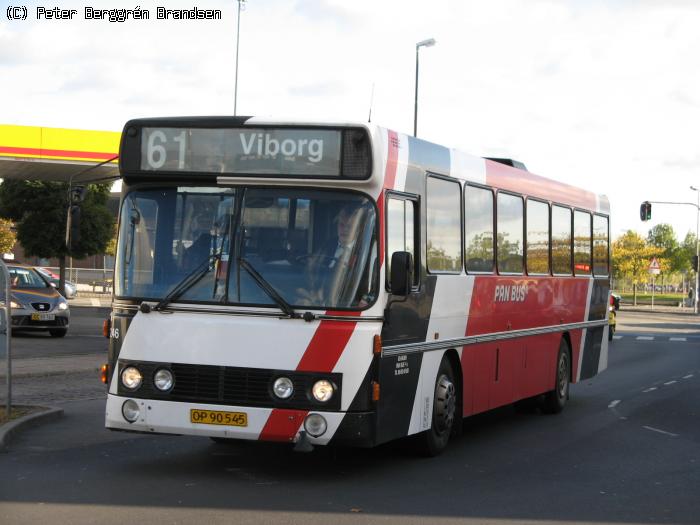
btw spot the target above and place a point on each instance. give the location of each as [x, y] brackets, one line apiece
[226, 385]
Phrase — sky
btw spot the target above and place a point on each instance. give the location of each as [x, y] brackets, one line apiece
[604, 95]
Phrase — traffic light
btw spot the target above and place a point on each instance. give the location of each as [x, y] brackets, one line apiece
[645, 211]
[695, 263]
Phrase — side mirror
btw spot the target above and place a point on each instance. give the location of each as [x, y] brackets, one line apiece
[401, 273]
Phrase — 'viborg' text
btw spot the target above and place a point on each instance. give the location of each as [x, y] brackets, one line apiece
[264, 144]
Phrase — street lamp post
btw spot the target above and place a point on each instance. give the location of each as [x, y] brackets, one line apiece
[697, 248]
[423, 43]
[238, 38]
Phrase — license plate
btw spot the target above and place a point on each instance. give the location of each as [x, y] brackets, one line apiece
[218, 417]
[43, 317]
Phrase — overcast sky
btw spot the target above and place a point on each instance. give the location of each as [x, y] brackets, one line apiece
[600, 94]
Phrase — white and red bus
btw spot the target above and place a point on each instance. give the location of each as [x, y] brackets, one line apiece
[321, 283]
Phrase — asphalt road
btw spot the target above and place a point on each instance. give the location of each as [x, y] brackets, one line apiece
[84, 336]
[625, 450]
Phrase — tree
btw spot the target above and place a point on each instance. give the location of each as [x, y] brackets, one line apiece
[631, 255]
[8, 237]
[663, 237]
[39, 210]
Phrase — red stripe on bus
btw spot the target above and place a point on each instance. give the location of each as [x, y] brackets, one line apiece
[282, 425]
[509, 178]
[327, 344]
[57, 153]
[389, 180]
[321, 355]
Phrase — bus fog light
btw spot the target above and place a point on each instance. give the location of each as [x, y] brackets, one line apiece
[322, 390]
[315, 425]
[163, 380]
[130, 410]
[283, 387]
[131, 377]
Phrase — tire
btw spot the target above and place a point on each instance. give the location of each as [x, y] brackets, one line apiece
[445, 404]
[58, 332]
[555, 400]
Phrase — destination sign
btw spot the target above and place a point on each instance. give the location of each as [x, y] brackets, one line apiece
[254, 151]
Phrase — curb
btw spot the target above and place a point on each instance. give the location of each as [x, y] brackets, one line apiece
[8, 430]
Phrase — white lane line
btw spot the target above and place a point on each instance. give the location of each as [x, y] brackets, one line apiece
[613, 404]
[661, 431]
[670, 383]
[688, 376]
[677, 339]
[649, 389]
[645, 338]
[616, 337]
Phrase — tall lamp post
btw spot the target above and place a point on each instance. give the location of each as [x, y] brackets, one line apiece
[423, 43]
[697, 248]
[238, 38]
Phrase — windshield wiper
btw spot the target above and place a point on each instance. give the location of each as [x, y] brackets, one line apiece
[189, 281]
[268, 289]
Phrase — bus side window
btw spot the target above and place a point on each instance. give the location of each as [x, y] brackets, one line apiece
[561, 240]
[582, 243]
[401, 232]
[537, 238]
[600, 245]
[478, 229]
[444, 221]
[510, 233]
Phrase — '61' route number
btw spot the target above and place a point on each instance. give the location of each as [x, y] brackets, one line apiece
[157, 154]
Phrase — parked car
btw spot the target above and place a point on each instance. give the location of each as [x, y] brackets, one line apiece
[36, 304]
[71, 288]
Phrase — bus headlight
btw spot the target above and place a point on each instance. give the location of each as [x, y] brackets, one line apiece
[131, 377]
[315, 425]
[130, 410]
[322, 390]
[283, 387]
[164, 380]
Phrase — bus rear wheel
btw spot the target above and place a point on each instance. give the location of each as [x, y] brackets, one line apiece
[555, 400]
[445, 404]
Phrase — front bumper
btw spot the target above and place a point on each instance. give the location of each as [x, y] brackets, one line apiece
[22, 320]
[168, 417]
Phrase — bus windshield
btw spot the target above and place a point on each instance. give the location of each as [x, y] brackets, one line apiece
[313, 248]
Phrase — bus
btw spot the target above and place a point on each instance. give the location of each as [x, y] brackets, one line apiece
[341, 283]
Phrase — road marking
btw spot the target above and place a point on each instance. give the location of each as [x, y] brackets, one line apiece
[616, 337]
[613, 404]
[661, 431]
[670, 383]
[645, 338]
[688, 376]
[649, 389]
[677, 339]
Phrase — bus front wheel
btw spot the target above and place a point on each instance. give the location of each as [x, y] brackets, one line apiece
[445, 403]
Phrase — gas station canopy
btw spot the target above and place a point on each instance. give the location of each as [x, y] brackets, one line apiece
[57, 154]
